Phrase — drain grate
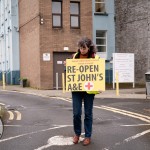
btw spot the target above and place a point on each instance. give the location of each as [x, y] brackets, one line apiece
[14, 107]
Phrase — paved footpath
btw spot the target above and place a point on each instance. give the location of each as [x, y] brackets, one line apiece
[134, 93]
[138, 93]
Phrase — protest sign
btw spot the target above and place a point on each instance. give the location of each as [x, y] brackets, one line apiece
[85, 74]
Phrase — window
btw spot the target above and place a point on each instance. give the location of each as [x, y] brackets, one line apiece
[100, 6]
[74, 15]
[57, 14]
[101, 42]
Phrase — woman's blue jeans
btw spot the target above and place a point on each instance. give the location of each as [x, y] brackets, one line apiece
[88, 99]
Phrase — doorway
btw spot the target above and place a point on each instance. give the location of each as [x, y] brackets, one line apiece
[59, 68]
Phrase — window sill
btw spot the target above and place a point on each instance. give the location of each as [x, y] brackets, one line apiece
[57, 27]
[101, 14]
[74, 27]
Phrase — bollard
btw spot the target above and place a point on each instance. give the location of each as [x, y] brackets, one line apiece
[4, 84]
[63, 82]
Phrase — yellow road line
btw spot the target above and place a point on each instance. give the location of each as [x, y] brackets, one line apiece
[136, 114]
[11, 115]
[120, 111]
[123, 113]
[18, 115]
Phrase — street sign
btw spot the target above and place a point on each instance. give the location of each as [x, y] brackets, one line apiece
[123, 63]
[46, 56]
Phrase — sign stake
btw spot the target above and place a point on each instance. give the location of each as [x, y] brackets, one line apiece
[117, 83]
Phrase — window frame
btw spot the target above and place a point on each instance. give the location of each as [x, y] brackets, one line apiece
[57, 14]
[101, 12]
[105, 45]
[75, 15]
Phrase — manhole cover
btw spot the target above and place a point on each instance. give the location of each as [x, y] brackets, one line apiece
[14, 107]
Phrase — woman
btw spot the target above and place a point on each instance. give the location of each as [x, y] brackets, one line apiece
[86, 50]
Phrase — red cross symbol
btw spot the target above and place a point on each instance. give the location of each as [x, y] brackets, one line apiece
[89, 85]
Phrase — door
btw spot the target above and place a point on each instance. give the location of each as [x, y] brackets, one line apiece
[59, 68]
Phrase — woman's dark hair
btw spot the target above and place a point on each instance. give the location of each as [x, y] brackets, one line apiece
[85, 41]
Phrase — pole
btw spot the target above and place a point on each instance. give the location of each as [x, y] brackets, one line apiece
[117, 83]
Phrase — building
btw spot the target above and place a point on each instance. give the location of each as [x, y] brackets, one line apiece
[133, 33]
[47, 34]
[9, 41]
[49, 31]
[104, 32]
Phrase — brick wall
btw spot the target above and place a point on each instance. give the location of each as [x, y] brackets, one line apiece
[133, 33]
[29, 41]
[36, 39]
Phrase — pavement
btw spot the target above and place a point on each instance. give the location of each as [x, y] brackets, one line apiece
[132, 93]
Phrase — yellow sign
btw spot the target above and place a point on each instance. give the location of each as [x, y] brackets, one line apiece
[85, 75]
